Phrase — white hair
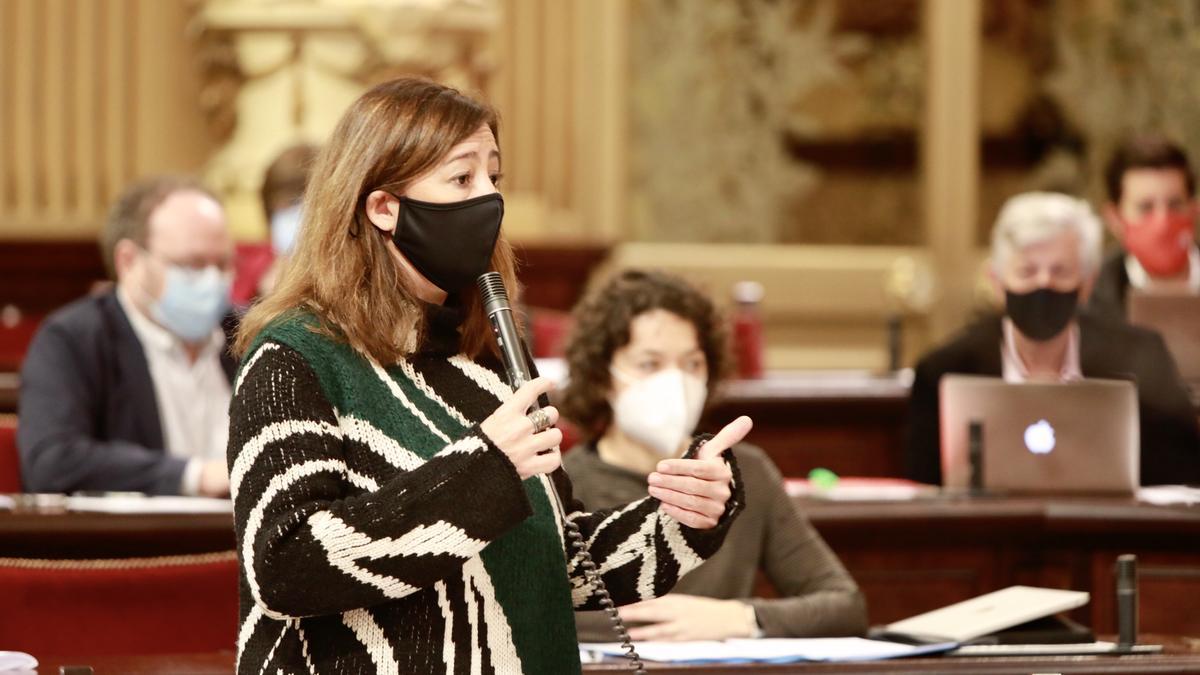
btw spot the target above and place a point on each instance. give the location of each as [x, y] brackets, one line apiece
[1034, 217]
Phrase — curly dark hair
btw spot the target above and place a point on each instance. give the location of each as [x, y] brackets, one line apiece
[602, 323]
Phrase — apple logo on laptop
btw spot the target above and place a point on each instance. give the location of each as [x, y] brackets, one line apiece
[1039, 437]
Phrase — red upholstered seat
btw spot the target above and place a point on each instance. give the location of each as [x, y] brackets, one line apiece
[10, 463]
[176, 604]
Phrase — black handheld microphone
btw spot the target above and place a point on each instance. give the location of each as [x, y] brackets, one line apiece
[517, 369]
[500, 314]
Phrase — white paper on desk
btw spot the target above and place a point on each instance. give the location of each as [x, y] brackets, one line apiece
[1169, 495]
[769, 650]
[139, 504]
[10, 661]
[7, 502]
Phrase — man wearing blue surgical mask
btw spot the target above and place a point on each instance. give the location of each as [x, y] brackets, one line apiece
[129, 390]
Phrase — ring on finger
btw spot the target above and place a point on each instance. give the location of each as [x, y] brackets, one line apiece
[540, 420]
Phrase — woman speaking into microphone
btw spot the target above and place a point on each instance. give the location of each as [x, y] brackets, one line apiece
[398, 509]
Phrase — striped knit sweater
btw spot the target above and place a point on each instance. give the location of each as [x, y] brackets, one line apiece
[380, 531]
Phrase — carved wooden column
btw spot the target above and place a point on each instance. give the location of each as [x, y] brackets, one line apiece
[950, 154]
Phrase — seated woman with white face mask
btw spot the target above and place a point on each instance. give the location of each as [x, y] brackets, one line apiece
[644, 355]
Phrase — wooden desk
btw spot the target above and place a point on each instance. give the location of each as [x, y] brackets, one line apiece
[911, 557]
[908, 557]
[1181, 656]
[51, 532]
[850, 423]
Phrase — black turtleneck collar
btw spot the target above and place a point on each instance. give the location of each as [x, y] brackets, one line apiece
[441, 327]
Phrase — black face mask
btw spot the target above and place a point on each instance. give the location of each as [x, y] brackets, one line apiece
[449, 244]
[1041, 314]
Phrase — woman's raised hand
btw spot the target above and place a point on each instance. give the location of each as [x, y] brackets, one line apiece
[695, 491]
[514, 432]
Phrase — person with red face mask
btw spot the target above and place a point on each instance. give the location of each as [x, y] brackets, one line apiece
[1151, 210]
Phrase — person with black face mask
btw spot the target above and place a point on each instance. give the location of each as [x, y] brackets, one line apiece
[397, 506]
[1044, 261]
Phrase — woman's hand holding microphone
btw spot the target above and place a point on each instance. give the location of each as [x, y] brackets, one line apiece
[522, 437]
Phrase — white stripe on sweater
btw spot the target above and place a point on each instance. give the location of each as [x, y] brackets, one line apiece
[633, 549]
[271, 652]
[246, 630]
[266, 347]
[484, 378]
[499, 632]
[466, 444]
[683, 554]
[369, 633]
[312, 670]
[399, 394]
[613, 517]
[343, 542]
[419, 380]
[358, 429]
[475, 630]
[273, 433]
[254, 521]
[645, 583]
[447, 626]
[556, 506]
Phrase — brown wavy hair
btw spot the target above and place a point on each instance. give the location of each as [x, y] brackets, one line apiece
[602, 323]
[341, 269]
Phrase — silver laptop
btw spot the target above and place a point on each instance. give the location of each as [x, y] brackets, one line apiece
[988, 613]
[1175, 316]
[1076, 437]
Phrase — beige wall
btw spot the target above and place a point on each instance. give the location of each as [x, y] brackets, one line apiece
[94, 94]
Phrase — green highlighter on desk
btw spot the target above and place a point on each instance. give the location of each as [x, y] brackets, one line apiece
[822, 483]
[822, 479]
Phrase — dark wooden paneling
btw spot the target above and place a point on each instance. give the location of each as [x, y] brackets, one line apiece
[1168, 590]
[554, 276]
[901, 583]
[910, 557]
[40, 276]
[51, 532]
[804, 424]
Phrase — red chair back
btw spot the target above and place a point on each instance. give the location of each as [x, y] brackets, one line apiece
[171, 605]
[10, 462]
[16, 332]
[251, 261]
[550, 330]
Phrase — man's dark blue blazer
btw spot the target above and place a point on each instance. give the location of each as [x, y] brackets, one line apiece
[88, 417]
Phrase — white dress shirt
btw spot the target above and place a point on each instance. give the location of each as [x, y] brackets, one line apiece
[1015, 370]
[1140, 279]
[193, 397]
